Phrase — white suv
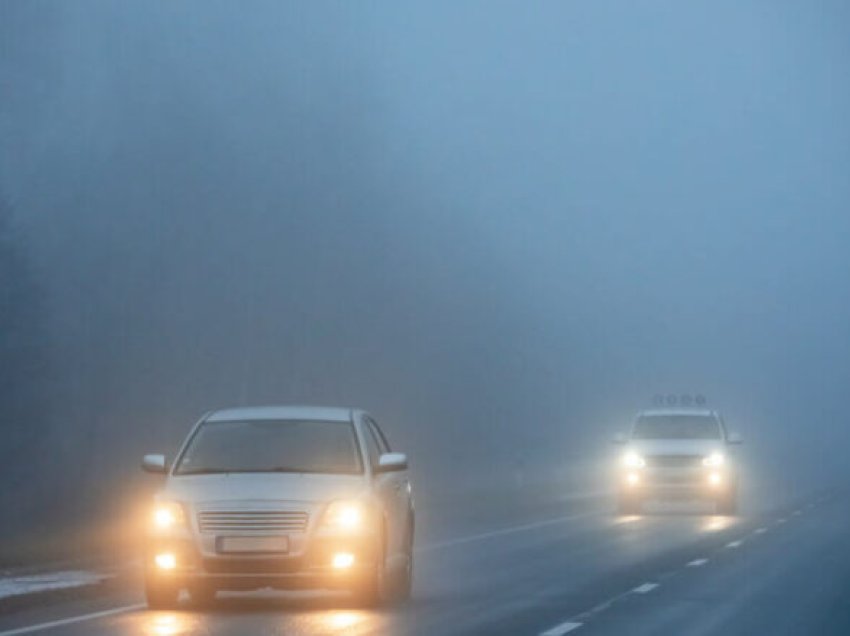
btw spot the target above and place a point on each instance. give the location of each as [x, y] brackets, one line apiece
[678, 454]
[281, 497]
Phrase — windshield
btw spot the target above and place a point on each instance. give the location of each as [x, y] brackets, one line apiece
[272, 446]
[676, 427]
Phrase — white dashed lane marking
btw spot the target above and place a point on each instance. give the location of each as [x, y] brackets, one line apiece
[560, 630]
[645, 588]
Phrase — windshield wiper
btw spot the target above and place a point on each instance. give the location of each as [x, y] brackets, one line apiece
[210, 471]
[288, 469]
[224, 471]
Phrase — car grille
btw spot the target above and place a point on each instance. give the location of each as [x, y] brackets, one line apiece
[252, 566]
[674, 461]
[674, 479]
[254, 521]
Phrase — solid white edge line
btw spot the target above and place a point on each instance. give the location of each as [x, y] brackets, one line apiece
[436, 546]
[697, 563]
[563, 628]
[646, 587]
[74, 619]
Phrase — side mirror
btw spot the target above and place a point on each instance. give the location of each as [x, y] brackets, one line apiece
[154, 464]
[390, 462]
[734, 438]
[620, 438]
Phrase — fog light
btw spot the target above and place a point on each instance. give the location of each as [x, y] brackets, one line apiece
[165, 561]
[342, 560]
[632, 479]
[715, 479]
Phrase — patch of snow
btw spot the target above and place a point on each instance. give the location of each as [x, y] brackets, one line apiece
[34, 583]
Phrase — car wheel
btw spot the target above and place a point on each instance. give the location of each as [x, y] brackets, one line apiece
[403, 586]
[161, 594]
[727, 505]
[370, 591]
[629, 505]
[202, 596]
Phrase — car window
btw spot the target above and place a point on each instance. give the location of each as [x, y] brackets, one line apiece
[372, 449]
[271, 446]
[378, 434]
[676, 427]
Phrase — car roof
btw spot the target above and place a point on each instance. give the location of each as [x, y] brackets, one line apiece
[318, 413]
[677, 411]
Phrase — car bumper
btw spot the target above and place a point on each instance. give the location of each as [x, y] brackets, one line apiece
[678, 485]
[313, 569]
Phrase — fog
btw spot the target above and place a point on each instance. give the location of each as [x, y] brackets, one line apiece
[500, 228]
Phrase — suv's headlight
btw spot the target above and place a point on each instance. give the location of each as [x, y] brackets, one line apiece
[345, 516]
[715, 460]
[168, 516]
[633, 460]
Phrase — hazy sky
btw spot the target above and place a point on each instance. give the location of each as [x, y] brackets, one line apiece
[512, 224]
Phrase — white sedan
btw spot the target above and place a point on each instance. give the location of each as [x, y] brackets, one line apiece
[281, 497]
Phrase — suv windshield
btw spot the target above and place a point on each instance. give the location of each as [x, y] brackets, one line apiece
[272, 446]
[676, 427]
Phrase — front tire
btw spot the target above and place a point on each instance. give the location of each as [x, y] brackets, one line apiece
[727, 505]
[202, 596]
[629, 504]
[403, 588]
[370, 591]
[403, 584]
[161, 595]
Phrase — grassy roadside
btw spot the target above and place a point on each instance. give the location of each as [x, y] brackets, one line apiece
[111, 534]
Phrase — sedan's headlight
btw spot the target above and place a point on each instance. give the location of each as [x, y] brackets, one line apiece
[633, 460]
[715, 460]
[347, 516]
[168, 516]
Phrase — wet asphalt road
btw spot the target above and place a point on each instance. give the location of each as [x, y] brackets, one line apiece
[551, 567]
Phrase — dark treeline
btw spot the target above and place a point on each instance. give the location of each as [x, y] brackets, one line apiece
[207, 244]
[25, 383]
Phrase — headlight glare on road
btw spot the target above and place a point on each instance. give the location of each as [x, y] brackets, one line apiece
[715, 460]
[633, 460]
[167, 516]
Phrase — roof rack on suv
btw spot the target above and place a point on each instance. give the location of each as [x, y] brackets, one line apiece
[672, 399]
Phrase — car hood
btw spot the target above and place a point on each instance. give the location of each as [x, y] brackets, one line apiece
[301, 487]
[676, 446]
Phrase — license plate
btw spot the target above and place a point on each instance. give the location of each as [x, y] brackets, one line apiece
[253, 545]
